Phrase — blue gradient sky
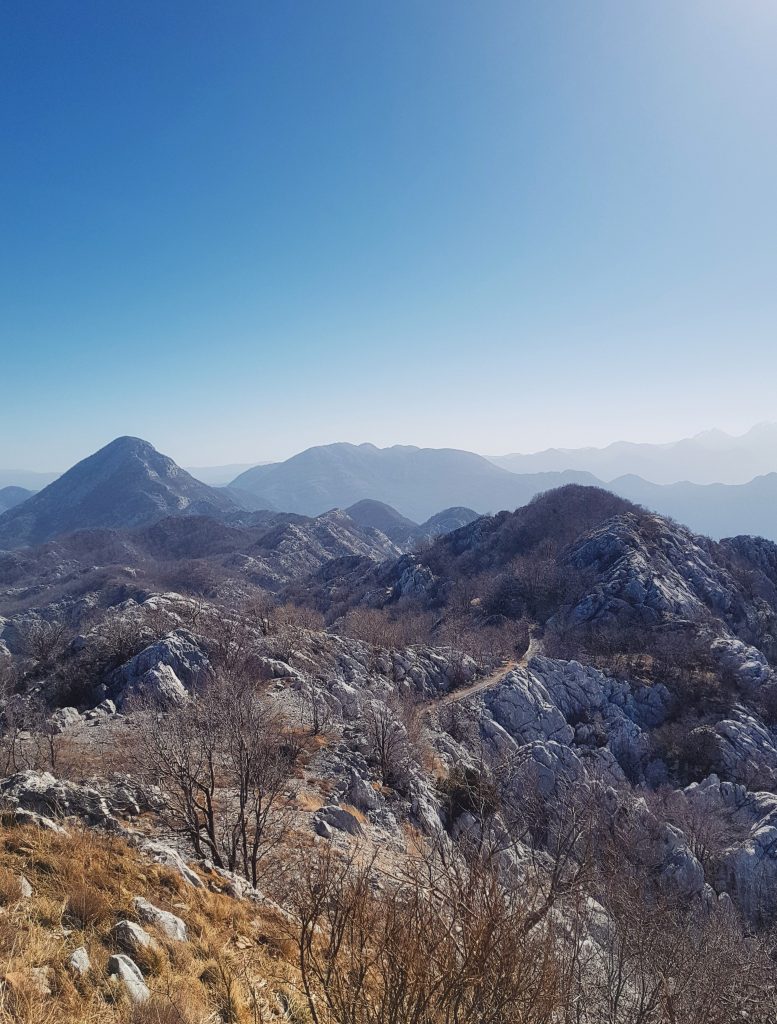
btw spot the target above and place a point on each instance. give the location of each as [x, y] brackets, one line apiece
[239, 229]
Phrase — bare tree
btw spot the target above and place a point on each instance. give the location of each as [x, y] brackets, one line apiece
[316, 711]
[388, 744]
[43, 641]
[223, 763]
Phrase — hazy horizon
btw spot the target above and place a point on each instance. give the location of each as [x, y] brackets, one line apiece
[244, 230]
[238, 466]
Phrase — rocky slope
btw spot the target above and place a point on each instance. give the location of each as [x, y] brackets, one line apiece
[621, 773]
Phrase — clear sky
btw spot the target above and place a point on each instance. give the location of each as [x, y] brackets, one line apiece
[241, 228]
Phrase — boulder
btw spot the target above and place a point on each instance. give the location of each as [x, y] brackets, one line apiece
[170, 925]
[127, 972]
[131, 937]
[337, 817]
[171, 858]
[64, 719]
[78, 962]
[360, 793]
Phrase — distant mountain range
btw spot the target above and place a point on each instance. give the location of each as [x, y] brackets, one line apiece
[418, 482]
[26, 478]
[112, 497]
[710, 457]
[219, 476]
[717, 510]
[129, 484]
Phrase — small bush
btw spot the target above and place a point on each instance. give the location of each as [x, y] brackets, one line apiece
[10, 888]
[86, 907]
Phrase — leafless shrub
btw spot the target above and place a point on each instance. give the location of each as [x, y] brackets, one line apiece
[443, 942]
[43, 641]
[388, 743]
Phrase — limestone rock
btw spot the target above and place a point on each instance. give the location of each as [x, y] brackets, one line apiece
[162, 854]
[127, 972]
[79, 962]
[170, 925]
[132, 937]
[42, 795]
[337, 817]
[164, 671]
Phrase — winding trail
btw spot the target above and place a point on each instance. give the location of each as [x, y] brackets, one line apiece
[494, 679]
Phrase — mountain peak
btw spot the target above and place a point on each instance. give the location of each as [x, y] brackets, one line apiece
[125, 484]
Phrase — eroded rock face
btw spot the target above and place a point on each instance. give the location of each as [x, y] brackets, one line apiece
[671, 574]
[746, 664]
[40, 794]
[743, 825]
[166, 671]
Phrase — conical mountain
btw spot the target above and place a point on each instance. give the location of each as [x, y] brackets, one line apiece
[125, 484]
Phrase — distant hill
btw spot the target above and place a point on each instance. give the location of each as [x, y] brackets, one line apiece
[717, 510]
[126, 484]
[380, 516]
[447, 521]
[219, 476]
[710, 457]
[12, 496]
[417, 482]
[403, 531]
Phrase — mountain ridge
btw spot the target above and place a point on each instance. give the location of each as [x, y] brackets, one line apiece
[711, 456]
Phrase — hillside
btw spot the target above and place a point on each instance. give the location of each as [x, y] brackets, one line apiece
[541, 744]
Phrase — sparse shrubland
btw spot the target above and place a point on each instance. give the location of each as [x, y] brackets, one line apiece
[527, 774]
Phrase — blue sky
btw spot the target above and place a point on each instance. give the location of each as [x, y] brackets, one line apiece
[239, 229]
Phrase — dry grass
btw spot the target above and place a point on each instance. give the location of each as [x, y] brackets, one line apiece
[359, 815]
[234, 967]
[10, 888]
[308, 801]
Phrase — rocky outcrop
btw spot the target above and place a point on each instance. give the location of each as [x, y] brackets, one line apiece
[32, 795]
[166, 671]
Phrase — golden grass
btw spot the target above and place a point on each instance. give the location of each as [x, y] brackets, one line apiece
[359, 815]
[234, 968]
